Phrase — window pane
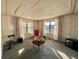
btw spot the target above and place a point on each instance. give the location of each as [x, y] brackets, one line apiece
[29, 28]
[46, 27]
[52, 26]
[26, 28]
[53, 23]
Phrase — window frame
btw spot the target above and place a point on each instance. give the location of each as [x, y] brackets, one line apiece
[50, 29]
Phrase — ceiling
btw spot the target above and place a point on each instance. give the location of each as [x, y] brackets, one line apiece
[38, 9]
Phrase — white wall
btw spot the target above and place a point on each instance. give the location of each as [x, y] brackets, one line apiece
[74, 29]
[7, 27]
[69, 26]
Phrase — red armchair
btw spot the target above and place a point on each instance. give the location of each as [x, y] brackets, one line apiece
[36, 32]
[37, 39]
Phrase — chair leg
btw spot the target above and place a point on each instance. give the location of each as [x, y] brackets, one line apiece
[33, 51]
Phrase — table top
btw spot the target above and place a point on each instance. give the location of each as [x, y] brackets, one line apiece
[72, 39]
[38, 43]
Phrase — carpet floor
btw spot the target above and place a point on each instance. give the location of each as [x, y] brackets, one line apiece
[50, 50]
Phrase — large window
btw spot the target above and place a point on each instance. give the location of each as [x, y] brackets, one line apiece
[49, 27]
[28, 28]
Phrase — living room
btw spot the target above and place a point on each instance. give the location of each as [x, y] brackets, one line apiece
[56, 21]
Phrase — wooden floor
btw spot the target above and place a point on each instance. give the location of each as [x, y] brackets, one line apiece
[51, 50]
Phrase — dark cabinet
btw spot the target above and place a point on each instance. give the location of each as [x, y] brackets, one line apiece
[20, 40]
[72, 43]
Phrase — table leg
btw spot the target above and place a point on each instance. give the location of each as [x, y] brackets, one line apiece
[65, 41]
